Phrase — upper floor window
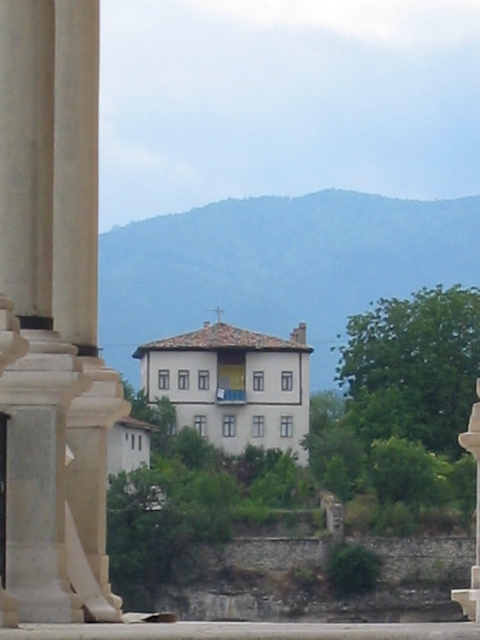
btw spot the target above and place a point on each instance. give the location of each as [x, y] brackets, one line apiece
[133, 441]
[163, 379]
[258, 426]
[200, 424]
[139, 443]
[287, 380]
[286, 426]
[258, 381]
[183, 379]
[204, 380]
[228, 426]
[172, 429]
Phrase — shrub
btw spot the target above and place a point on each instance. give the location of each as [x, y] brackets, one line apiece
[360, 513]
[352, 569]
[394, 520]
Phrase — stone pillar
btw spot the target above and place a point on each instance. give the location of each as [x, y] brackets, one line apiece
[469, 599]
[36, 389]
[75, 274]
[26, 152]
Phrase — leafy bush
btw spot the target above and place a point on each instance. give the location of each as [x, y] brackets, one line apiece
[361, 513]
[403, 471]
[252, 511]
[394, 520]
[352, 570]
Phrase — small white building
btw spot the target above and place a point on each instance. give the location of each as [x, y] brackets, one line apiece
[128, 445]
[234, 386]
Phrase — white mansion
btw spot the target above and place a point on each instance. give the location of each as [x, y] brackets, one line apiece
[234, 386]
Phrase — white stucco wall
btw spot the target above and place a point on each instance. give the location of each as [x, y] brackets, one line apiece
[121, 454]
[272, 402]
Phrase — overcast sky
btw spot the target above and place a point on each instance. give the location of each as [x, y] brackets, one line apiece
[203, 100]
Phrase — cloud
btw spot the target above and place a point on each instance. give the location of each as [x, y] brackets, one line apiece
[204, 100]
[398, 22]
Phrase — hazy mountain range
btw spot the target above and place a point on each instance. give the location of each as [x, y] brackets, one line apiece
[271, 262]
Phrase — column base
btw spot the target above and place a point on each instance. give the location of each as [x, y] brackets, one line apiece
[42, 594]
[88, 419]
[100, 568]
[8, 610]
[36, 390]
[12, 345]
[467, 599]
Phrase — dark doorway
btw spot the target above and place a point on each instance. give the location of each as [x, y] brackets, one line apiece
[3, 494]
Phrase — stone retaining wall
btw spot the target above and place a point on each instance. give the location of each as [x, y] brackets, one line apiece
[404, 559]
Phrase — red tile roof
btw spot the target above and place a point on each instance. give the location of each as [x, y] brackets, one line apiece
[221, 336]
[134, 423]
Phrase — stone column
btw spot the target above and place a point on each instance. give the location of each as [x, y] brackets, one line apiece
[26, 151]
[75, 273]
[36, 389]
[469, 599]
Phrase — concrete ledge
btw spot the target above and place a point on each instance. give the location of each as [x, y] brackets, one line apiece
[240, 631]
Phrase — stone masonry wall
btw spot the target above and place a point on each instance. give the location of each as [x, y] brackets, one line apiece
[404, 559]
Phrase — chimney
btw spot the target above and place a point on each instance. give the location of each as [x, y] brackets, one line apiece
[206, 324]
[302, 333]
[294, 335]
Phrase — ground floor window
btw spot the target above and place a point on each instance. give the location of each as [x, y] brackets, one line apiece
[228, 426]
[258, 426]
[200, 424]
[286, 426]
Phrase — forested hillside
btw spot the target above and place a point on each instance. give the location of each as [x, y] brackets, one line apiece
[270, 262]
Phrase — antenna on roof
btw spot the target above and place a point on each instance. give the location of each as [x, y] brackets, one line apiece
[218, 311]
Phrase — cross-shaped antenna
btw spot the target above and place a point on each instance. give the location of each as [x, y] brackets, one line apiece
[219, 312]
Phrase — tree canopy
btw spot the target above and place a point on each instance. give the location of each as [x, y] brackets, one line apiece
[410, 367]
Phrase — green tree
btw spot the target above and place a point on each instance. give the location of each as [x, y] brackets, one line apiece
[192, 450]
[161, 413]
[279, 486]
[402, 471]
[410, 367]
[341, 443]
[327, 408]
[336, 478]
[463, 482]
[153, 515]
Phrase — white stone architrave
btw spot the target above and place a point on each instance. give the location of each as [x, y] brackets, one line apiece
[469, 599]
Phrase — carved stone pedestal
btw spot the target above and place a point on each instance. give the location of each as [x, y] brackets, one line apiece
[88, 419]
[35, 391]
[469, 599]
[12, 347]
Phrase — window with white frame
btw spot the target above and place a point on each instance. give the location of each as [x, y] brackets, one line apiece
[204, 380]
[228, 426]
[287, 380]
[163, 379]
[200, 424]
[286, 426]
[258, 381]
[172, 429]
[183, 379]
[258, 426]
